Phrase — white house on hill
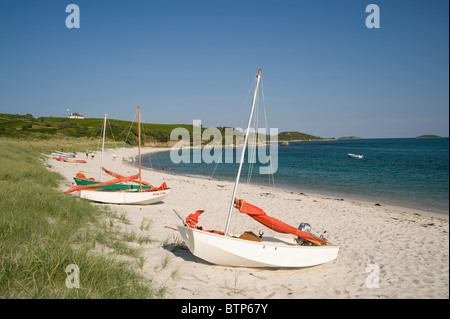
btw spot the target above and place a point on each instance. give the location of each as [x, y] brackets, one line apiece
[75, 116]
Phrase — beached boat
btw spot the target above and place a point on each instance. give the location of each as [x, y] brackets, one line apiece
[63, 155]
[113, 192]
[123, 197]
[355, 155]
[249, 250]
[69, 160]
[129, 159]
[80, 179]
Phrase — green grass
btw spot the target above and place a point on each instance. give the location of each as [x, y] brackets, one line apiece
[125, 132]
[43, 231]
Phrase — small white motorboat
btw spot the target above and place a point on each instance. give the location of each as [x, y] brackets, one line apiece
[355, 155]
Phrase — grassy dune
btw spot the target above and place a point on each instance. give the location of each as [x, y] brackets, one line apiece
[43, 231]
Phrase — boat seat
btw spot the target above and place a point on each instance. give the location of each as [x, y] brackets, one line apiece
[248, 235]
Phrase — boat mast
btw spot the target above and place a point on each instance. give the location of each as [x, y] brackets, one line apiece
[258, 76]
[103, 147]
[139, 151]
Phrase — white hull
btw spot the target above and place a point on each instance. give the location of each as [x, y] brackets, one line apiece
[274, 252]
[121, 197]
[355, 156]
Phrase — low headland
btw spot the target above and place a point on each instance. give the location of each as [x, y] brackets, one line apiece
[429, 136]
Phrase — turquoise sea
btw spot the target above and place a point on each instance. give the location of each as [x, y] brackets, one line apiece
[406, 172]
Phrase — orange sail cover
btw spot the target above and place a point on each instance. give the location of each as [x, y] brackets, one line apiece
[153, 188]
[259, 215]
[192, 221]
[120, 176]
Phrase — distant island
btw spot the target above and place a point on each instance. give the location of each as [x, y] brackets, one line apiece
[350, 138]
[429, 136]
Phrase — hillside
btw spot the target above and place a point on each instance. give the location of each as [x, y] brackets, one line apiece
[297, 136]
[26, 126]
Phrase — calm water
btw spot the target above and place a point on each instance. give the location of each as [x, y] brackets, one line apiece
[409, 172]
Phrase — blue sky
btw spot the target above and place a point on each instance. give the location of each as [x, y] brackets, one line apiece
[324, 72]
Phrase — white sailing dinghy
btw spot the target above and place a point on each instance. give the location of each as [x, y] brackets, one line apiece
[355, 155]
[113, 192]
[223, 249]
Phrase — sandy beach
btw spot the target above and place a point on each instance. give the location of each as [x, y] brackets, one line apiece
[385, 251]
